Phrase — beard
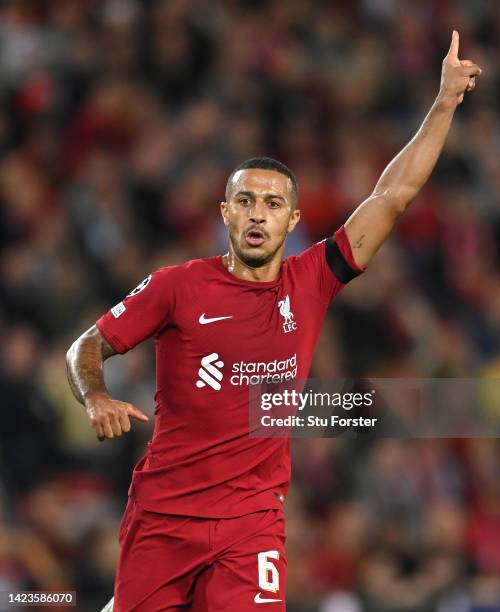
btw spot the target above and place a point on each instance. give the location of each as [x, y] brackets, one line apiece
[253, 257]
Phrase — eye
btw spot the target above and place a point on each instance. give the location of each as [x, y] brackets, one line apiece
[244, 201]
[274, 204]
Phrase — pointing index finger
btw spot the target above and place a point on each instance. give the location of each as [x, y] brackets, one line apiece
[135, 412]
[453, 51]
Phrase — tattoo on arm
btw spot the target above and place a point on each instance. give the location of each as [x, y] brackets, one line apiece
[85, 361]
[359, 242]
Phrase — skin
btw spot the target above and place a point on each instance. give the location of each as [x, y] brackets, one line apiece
[85, 360]
[263, 200]
[371, 223]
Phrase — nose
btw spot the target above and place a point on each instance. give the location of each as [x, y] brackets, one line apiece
[258, 212]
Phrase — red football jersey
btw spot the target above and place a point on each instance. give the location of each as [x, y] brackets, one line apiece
[214, 335]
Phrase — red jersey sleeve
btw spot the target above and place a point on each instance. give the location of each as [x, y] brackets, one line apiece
[329, 265]
[141, 314]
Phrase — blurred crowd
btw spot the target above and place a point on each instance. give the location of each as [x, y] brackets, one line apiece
[119, 123]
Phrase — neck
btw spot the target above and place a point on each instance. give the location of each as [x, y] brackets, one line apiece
[267, 273]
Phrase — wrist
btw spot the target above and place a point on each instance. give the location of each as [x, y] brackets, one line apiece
[446, 102]
[93, 395]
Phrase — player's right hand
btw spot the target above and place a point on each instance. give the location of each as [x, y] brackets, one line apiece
[110, 417]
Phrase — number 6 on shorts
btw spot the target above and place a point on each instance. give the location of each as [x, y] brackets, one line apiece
[269, 579]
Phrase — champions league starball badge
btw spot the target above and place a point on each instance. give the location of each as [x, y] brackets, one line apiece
[140, 286]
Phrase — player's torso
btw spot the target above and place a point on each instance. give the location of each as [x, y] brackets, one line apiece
[222, 335]
[226, 335]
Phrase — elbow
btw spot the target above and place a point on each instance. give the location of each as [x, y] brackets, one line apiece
[74, 349]
[70, 353]
[399, 198]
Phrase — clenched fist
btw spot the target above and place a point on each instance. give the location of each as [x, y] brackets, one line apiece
[457, 76]
[110, 417]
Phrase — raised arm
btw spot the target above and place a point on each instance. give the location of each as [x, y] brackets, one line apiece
[370, 224]
[84, 361]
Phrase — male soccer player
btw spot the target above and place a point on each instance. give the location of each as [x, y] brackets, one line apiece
[203, 529]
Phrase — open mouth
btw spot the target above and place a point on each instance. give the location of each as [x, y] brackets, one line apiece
[255, 237]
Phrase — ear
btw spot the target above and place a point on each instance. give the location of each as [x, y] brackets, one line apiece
[294, 219]
[224, 212]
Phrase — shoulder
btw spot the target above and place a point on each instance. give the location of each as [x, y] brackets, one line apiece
[185, 272]
[333, 253]
[310, 256]
[192, 266]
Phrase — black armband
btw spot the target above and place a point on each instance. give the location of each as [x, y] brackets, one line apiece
[337, 262]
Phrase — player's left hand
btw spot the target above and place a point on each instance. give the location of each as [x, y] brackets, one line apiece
[457, 76]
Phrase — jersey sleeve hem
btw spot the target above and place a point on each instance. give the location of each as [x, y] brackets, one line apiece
[340, 258]
[111, 339]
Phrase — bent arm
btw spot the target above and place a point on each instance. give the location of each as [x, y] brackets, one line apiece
[84, 362]
[404, 177]
[371, 223]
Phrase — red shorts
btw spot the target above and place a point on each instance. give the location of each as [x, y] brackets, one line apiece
[192, 564]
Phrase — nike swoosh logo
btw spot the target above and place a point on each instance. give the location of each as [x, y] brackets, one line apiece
[259, 599]
[203, 320]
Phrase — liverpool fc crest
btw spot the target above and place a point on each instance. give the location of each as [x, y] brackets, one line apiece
[288, 323]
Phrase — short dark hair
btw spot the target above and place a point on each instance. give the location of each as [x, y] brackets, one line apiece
[267, 163]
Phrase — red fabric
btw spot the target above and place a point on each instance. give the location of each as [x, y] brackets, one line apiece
[174, 562]
[201, 460]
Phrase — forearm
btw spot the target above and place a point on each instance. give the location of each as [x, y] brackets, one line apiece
[408, 172]
[372, 221]
[84, 362]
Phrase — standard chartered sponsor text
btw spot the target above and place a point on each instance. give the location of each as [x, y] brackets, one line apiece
[255, 372]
